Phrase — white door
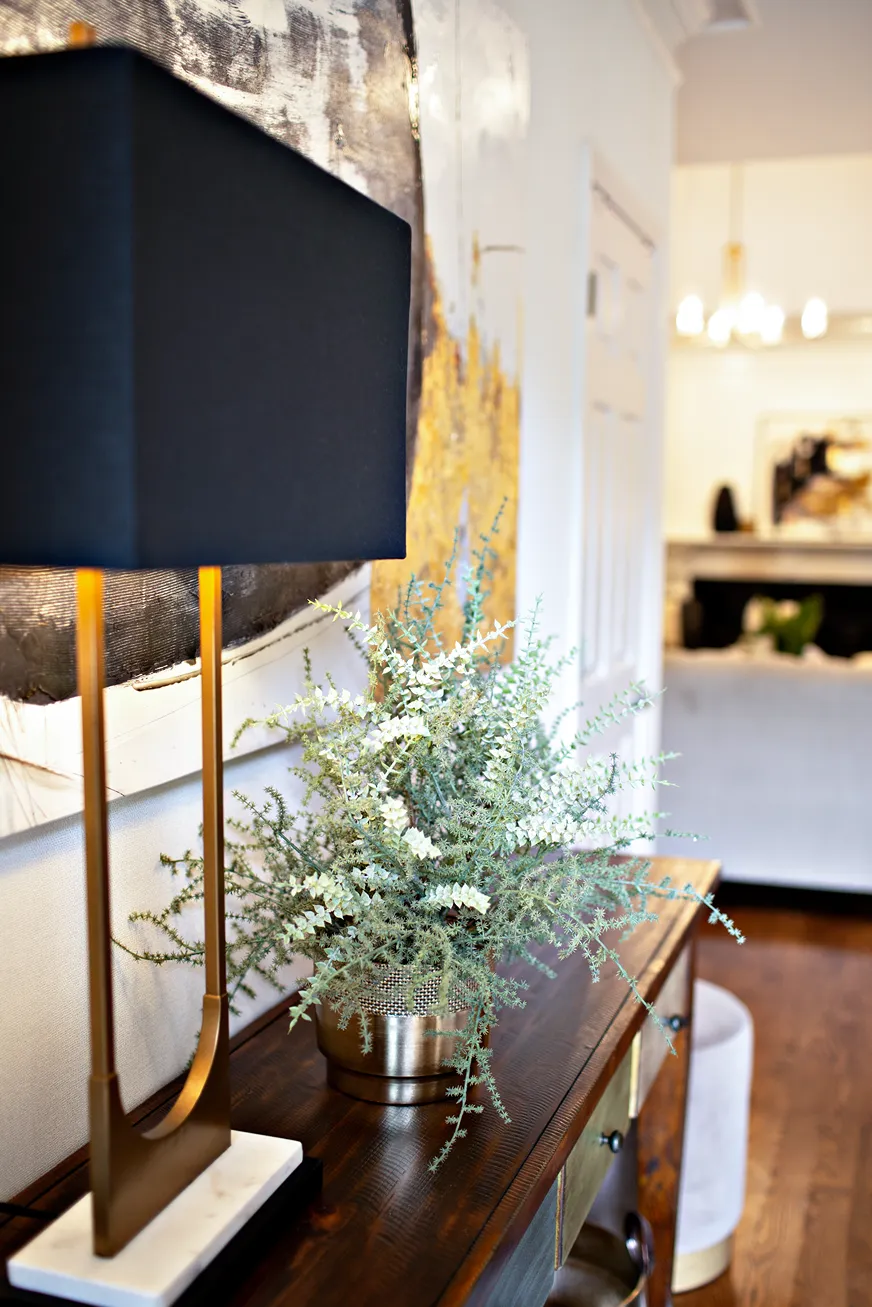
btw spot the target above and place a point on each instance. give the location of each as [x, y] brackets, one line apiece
[620, 564]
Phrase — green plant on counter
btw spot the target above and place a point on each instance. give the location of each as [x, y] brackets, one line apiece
[438, 832]
[789, 624]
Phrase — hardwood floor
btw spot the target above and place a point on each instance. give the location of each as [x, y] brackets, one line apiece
[805, 1239]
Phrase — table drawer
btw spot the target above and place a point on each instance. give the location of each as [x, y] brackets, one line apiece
[588, 1163]
[527, 1277]
[649, 1048]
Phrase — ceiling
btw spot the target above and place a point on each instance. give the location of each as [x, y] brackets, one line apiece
[798, 82]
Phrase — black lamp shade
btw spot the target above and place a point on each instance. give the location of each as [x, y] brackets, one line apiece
[203, 335]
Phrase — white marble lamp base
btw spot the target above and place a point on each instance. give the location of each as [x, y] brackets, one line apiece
[159, 1264]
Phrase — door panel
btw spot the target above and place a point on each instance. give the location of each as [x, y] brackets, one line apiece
[620, 521]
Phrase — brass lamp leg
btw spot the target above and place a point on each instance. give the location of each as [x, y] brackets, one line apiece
[134, 1176]
[89, 589]
[213, 781]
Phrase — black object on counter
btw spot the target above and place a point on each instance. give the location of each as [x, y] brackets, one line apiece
[725, 516]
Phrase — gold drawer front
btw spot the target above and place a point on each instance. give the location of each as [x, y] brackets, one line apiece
[650, 1049]
[588, 1163]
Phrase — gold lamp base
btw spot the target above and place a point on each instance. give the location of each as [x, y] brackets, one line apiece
[134, 1176]
[155, 1269]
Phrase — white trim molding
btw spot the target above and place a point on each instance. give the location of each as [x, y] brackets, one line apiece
[650, 15]
[694, 15]
[669, 23]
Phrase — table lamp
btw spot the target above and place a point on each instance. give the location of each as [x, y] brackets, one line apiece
[203, 344]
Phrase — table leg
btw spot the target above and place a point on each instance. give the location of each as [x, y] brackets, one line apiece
[660, 1143]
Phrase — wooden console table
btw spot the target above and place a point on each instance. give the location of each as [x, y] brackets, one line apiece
[490, 1226]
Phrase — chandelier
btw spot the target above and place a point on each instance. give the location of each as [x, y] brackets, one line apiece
[742, 314]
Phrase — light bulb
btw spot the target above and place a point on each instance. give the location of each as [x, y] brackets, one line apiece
[814, 318]
[750, 316]
[772, 326]
[689, 320]
[720, 326]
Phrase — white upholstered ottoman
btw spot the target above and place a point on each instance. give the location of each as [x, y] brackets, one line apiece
[712, 1192]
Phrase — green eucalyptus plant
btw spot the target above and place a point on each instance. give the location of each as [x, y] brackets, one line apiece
[788, 625]
[442, 830]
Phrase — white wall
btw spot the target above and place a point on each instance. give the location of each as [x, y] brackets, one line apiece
[596, 78]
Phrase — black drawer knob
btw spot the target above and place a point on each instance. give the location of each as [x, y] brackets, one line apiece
[614, 1142]
[677, 1022]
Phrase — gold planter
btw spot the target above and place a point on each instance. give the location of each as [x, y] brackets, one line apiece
[604, 1270]
[405, 1064]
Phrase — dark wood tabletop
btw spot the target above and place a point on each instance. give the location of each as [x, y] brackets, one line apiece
[386, 1232]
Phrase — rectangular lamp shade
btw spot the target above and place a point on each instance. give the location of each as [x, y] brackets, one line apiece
[203, 335]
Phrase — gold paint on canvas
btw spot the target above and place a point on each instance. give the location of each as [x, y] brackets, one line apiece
[466, 466]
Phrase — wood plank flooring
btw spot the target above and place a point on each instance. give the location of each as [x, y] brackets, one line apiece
[805, 1239]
